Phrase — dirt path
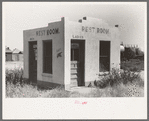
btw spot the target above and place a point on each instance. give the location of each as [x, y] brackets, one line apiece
[82, 89]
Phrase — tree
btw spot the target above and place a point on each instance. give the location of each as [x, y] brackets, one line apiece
[139, 52]
[129, 53]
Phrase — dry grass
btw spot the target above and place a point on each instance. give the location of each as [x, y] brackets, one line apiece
[29, 91]
[130, 90]
[15, 89]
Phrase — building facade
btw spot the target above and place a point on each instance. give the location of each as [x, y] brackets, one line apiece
[70, 53]
[8, 54]
[17, 55]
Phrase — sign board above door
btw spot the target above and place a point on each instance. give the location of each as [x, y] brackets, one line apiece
[74, 45]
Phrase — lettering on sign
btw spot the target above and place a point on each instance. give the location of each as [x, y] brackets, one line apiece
[88, 29]
[77, 36]
[31, 38]
[47, 32]
[102, 30]
[93, 29]
[74, 45]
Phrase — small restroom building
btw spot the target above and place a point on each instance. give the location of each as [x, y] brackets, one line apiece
[70, 53]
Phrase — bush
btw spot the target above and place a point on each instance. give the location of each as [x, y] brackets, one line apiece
[133, 66]
[116, 77]
[14, 76]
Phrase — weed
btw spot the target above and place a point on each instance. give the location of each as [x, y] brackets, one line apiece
[14, 76]
[114, 84]
[59, 92]
[116, 77]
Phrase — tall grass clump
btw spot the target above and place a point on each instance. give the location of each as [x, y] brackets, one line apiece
[116, 77]
[14, 76]
[30, 91]
[16, 87]
[20, 91]
[117, 83]
[59, 92]
[121, 90]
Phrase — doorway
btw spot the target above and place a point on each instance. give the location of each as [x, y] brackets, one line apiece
[77, 62]
[33, 62]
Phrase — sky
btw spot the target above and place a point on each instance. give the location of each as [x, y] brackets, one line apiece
[19, 16]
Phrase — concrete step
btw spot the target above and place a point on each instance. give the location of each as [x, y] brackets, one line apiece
[74, 79]
[74, 71]
[73, 83]
[74, 76]
[74, 62]
[82, 89]
[74, 68]
[74, 65]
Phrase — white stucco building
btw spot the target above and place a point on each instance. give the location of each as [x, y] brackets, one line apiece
[70, 53]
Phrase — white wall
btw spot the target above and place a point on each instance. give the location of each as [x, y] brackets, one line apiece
[92, 39]
[67, 46]
[58, 46]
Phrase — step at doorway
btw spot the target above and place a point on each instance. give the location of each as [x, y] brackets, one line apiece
[77, 63]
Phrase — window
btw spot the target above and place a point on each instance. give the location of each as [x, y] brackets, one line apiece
[104, 56]
[47, 56]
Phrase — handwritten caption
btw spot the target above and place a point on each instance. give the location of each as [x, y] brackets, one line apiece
[79, 102]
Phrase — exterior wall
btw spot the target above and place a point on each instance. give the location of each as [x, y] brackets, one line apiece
[15, 57]
[26, 38]
[115, 48]
[57, 46]
[67, 46]
[8, 56]
[73, 30]
[20, 57]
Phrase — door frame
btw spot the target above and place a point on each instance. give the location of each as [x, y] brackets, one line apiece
[29, 61]
[83, 58]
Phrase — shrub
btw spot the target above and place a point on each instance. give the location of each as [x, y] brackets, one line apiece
[14, 76]
[116, 77]
[134, 69]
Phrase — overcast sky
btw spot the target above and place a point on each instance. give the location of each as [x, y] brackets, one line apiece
[19, 16]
